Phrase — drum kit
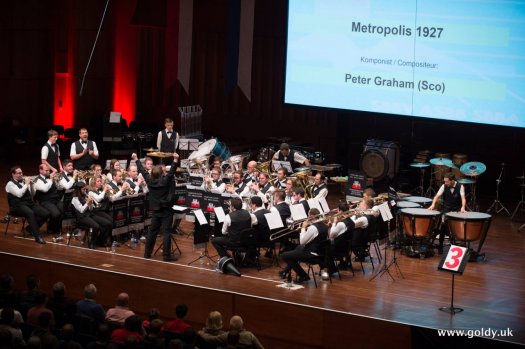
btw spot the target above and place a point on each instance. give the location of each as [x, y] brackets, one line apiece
[441, 165]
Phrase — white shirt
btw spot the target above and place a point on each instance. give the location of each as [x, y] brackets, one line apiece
[159, 139]
[263, 195]
[308, 235]
[79, 207]
[298, 157]
[12, 188]
[39, 184]
[442, 190]
[228, 222]
[337, 229]
[73, 148]
[322, 193]
[68, 184]
[44, 153]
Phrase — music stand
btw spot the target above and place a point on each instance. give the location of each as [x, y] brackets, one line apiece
[386, 214]
[497, 206]
[175, 228]
[201, 235]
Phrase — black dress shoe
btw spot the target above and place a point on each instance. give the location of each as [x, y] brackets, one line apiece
[302, 278]
[147, 256]
[39, 240]
[170, 259]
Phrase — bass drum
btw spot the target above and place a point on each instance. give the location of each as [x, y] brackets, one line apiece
[380, 159]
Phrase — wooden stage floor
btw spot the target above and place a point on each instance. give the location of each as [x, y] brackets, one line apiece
[378, 313]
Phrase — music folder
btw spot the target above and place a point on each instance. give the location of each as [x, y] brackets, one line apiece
[274, 220]
[297, 212]
[282, 164]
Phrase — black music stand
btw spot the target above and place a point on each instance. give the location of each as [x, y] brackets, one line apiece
[442, 266]
[174, 246]
[201, 235]
[385, 268]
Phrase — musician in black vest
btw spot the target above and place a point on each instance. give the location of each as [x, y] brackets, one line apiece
[160, 202]
[280, 206]
[50, 153]
[84, 206]
[239, 187]
[234, 224]
[251, 173]
[454, 199]
[83, 152]
[311, 237]
[167, 140]
[48, 196]
[295, 158]
[280, 181]
[263, 189]
[298, 198]
[137, 184]
[21, 203]
[261, 228]
[319, 189]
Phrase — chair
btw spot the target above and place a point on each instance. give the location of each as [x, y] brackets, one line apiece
[248, 247]
[323, 257]
[7, 219]
[85, 325]
[341, 256]
[360, 246]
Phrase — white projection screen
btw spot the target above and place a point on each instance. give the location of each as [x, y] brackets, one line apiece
[451, 60]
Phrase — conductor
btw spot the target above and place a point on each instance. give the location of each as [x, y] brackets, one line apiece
[159, 201]
[453, 194]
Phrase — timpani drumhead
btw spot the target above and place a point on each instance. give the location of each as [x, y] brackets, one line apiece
[408, 204]
[467, 226]
[419, 222]
[423, 201]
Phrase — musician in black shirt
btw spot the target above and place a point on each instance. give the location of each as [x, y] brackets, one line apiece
[160, 202]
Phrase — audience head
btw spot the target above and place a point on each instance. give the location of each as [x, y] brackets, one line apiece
[59, 290]
[214, 321]
[181, 310]
[236, 322]
[122, 300]
[32, 282]
[90, 291]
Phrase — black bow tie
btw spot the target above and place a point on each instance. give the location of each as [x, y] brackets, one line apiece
[169, 133]
[84, 142]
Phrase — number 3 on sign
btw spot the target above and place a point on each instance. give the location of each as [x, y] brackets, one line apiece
[454, 258]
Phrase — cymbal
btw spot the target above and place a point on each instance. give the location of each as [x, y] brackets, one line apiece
[150, 149]
[473, 168]
[441, 162]
[320, 168]
[520, 177]
[159, 154]
[466, 181]
[419, 164]
[301, 169]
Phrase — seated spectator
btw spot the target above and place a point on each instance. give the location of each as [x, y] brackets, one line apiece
[178, 325]
[63, 308]
[246, 338]
[34, 312]
[103, 338]
[43, 331]
[8, 297]
[213, 326]
[27, 297]
[121, 310]
[89, 307]
[67, 337]
[154, 338]
[132, 328]
[153, 314]
[7, 318]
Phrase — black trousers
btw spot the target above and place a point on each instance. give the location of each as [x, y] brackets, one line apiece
[100, 225]
[292, 259]
[223, 243]
[56, 211]
[35, 216]
[161, 219]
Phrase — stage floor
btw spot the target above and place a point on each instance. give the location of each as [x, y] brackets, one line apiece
[490, 292]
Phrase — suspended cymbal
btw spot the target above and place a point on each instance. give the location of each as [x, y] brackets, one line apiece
[466, 180]
[520, 177]
[419, 164]
[320, 168]
[159, 154]
[441, 162]
[301, 169]
[150, 149]
[473, 168]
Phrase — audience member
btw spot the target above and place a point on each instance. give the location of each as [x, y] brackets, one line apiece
[132, 328]
[43, 331]
[121, 310]
[8, 297]
[103, 338]
[34, 312]
[27, 297]
[154, 339]
[153, 314]
[6, 322]
[63, 308]
[213, 327]
[178, 325]
[89, 307]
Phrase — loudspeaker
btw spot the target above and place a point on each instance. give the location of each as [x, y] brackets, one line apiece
[226, 265]
[380, 159]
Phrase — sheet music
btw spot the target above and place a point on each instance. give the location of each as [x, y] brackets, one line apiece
[278, 164]
[219, 213]
[314, 203]
[179, 208]
[386, 214]
[324, 205]
[274, 220]
[188, 144]
[200, 217]
[298, 211]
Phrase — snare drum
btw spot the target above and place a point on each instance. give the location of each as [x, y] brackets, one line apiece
[419, 222]
[468, 226]
[421, 200]
[440, 170]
